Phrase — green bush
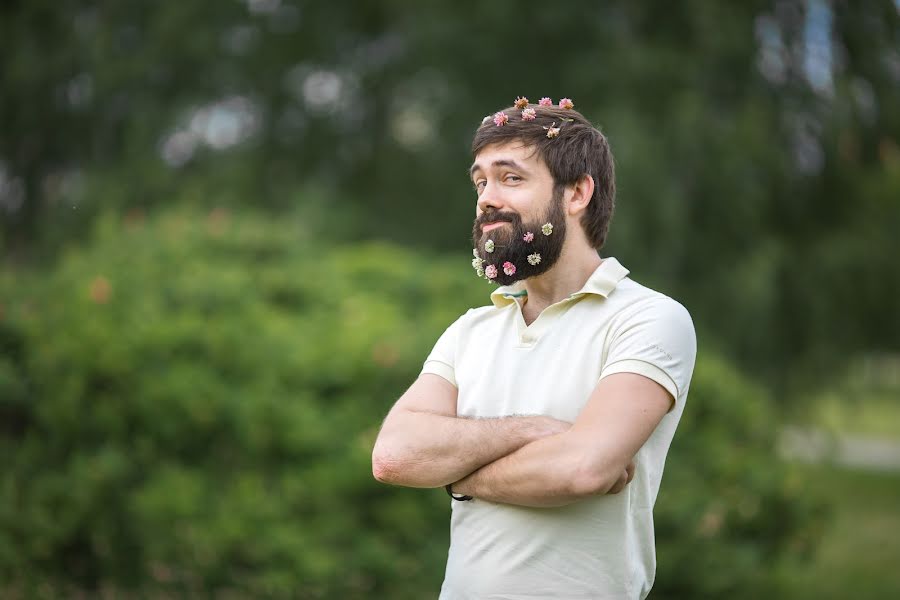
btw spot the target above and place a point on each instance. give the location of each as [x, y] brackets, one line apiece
[188, 405]
[729, 511]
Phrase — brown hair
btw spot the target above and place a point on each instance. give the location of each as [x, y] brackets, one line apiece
[579, 149]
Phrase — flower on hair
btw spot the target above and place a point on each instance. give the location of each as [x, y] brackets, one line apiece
[521, 102]
[477, 262]
[490, 271]
[528, 114]
[566, 103]
[486, 119]
[547, 228]
[546, 102]
[500, 118]
[552, 131]
[528, 237]
[479, 272]
[534, 259]
[489, 246]
[509, 268]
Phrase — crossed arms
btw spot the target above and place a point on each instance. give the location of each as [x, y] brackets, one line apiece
[525, 460]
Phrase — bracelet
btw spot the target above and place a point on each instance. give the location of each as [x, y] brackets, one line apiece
[461, 498]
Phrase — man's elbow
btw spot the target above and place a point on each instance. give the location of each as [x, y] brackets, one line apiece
[384, 468]
[594, 481]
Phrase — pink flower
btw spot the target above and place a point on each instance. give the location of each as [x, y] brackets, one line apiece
[552, 131]
[500, 118]
[490, 271]
[521, 102]
[528, 114]
[509, 268]
[528, 237]
[566, 103]
[546, 102]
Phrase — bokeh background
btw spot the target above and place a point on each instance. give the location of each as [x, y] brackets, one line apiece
[231, 231]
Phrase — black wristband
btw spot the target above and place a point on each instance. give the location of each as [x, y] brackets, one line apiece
[461, 498]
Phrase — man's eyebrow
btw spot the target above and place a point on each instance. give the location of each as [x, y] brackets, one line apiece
[503, 162]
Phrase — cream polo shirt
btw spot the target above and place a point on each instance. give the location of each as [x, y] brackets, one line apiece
[601, 547]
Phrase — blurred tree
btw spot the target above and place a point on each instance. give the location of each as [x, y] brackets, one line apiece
[757, 144]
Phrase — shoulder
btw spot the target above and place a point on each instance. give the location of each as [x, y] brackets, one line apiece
[636, 301]
[653, 317]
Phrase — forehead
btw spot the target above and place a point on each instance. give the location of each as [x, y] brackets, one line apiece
[509, 154]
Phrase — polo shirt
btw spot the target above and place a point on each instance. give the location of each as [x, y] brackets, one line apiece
[599, 547]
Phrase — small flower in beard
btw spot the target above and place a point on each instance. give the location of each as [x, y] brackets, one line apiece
[489, 246]
[479, 272]
[547, 228]
[521, 102]
[477, 262]
[529, 114]
[534, 259]
[509, 268]
[490, 271]
[546, 102]
[500, 118]
[528, 237]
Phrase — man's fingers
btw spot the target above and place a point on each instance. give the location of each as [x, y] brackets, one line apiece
[620, 484]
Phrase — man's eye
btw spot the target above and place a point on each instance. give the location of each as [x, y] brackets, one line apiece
[513, 178]
[479, 185]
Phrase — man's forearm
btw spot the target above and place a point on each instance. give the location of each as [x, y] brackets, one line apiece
[545, 473]
[422, 449]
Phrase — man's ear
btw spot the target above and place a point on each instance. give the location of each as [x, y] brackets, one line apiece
[581, 193]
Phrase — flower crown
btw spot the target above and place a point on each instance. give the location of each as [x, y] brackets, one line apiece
[500, 118]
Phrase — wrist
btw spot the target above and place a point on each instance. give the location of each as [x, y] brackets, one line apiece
[455, 494]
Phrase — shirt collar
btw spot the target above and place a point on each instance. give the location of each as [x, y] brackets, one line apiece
[601, 282]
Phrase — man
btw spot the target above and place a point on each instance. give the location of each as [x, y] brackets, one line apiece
[548, 414]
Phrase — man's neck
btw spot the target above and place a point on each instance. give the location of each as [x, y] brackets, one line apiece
[566, 277]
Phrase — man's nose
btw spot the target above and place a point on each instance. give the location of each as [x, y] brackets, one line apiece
[489, 199]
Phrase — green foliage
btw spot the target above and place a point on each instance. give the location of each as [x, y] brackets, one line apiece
[189, 403]
[729, 511]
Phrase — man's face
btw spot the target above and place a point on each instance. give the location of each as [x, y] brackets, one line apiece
[516, 199]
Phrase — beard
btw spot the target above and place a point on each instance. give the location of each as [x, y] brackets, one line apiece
[510, 245]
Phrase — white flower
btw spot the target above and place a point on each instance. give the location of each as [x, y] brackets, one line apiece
[534, 259]
[547, 228]
[489, 246]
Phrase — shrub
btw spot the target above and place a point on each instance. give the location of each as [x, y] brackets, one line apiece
[188, 406]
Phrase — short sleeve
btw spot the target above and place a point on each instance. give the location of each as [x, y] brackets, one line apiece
[657, 341]
[442, 360]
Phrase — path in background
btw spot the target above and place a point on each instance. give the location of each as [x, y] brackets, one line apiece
[815, 445]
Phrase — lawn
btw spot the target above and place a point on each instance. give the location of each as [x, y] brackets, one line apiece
[859, 554]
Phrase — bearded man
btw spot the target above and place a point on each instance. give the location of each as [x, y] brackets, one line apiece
[548, 414]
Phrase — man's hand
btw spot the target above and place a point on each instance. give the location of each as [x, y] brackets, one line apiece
[624, 479]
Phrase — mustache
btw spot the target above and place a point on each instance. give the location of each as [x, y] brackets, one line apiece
[495, 217]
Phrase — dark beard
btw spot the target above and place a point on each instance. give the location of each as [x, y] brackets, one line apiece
[510, 246]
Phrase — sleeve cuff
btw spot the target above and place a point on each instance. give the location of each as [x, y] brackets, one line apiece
[441, 369]
[650, 371]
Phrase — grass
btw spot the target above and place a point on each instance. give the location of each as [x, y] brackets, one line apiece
[859, 553]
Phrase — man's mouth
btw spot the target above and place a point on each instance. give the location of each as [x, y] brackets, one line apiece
[492, 225]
